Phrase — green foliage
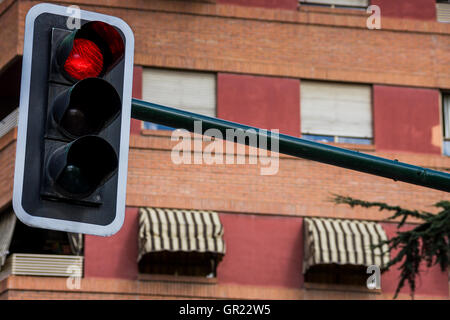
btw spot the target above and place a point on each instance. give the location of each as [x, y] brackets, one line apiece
[427, 243]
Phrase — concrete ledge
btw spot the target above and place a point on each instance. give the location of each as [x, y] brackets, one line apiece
[23, 287]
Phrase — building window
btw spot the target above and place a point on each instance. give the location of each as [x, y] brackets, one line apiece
[197, 264]
[348, 4]
[337, 274]
[446, 120]
[38, 252]
[39, 241]
[189, 91]
[336, 139]
[443, 11]
[336, 112]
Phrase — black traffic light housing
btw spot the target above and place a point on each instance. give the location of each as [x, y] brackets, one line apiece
[74, 118]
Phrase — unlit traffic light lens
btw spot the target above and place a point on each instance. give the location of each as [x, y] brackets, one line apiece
[85, 60]
[81, 167]
[86, 108]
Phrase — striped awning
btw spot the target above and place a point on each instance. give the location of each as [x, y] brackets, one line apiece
[7, 224]
[179, 230]
[328, 241]
[76, 243]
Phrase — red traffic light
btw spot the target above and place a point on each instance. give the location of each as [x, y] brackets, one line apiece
[85, 60]
[90, 52]
[74, 128]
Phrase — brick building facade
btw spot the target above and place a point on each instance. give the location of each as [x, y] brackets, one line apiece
[260, 63]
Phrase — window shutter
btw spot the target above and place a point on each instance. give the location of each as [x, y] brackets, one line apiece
[335, 109]
[189, 91]
[443, 12]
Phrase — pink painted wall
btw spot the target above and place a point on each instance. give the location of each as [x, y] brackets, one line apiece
[264, 102]
[265, 251]
[260, 251]
[405, 119]
[135, 126]
[432, 281]
[115, 256]
[409, 9]
[280, 4]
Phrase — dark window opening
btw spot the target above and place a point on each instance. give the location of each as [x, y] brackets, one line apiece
[39, 241]
[202, 264]
[10, 84]
[337, 274]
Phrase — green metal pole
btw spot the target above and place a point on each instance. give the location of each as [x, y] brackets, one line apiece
[297, 147]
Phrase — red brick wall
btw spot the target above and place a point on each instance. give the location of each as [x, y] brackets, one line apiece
[115, 256]
[301, 188]
[265, 251]
[409, 9]
[432, 282]
[264, 102]
[9, 32]
[45, 288]
[283, 43]
[406, 119]
[280, 4]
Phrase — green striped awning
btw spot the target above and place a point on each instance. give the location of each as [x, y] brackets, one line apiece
[179, 230]
[328, 241]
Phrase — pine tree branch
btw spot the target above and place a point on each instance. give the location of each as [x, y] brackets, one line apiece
[399, 211]
[427, 243]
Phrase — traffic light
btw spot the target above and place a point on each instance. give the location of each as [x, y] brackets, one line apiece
[74, 121]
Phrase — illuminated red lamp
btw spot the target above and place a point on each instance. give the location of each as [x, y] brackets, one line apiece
[90, 52]
[85, 60]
